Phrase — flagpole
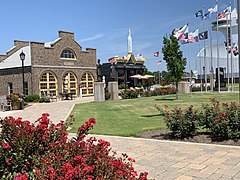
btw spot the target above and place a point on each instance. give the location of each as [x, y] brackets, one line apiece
[211, 55]
[227, 54]
[190, 72]
[159, 75]
[205, 63]
[231, 50]
[238, 12]
[200, 65]
[218, 66]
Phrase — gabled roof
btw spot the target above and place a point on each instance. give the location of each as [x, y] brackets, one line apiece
[129, 58]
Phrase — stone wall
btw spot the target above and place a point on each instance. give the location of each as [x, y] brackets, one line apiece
[15, 77]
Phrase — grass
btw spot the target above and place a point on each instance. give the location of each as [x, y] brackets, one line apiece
[130, 117]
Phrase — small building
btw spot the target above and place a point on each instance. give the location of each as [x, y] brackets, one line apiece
[49, 68]
[121, 70]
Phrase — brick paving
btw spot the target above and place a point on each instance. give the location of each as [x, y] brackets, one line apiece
[164, 160]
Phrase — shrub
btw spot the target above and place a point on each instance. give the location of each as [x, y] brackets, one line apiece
[42, 151]
[221, 119]
[15, 97]
[129, 94]
[44, 100]
[123, 86]
[32, 98]
[182, 123]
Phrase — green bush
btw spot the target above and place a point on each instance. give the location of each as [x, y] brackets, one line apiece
[129, 94]
[123, 86]
[32, 98]
[44, 100]
[182, 123]
[222, 120]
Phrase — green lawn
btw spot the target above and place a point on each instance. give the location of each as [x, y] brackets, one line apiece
[129, 117]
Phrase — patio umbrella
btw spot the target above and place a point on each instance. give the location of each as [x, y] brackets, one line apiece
[148, 76]
[138, 76]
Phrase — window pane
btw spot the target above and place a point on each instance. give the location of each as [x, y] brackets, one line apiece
[44, 77]
[69, 54]
[90, 91]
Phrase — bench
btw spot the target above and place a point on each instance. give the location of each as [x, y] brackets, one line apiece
[5, 103]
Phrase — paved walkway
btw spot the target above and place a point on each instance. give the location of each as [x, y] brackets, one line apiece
[162, 159]
[59, 110]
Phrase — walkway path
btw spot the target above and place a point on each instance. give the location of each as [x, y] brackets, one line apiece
[168, 160]
[162, 159]
[59, 110]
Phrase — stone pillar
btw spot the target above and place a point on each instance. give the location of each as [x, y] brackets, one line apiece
[184, 87]
[99, 93]
[113, 90]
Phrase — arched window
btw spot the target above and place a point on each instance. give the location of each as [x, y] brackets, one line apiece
[70, 83]
[68, 54]
[87, 81]
[48, 84]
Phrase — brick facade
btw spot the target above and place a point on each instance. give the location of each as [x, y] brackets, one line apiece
[47, 58]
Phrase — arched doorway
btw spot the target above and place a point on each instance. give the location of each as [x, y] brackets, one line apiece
[48, 84]
[88, 84]
[70, 83]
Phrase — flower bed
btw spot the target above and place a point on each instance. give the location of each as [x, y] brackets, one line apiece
[221, 120]
[43, 151]
[133, 93]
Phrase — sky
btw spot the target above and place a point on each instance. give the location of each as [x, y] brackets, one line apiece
[104, 24]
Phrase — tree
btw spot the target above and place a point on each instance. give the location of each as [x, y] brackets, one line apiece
[174, 59]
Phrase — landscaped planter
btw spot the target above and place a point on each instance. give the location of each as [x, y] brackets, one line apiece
[17, 105]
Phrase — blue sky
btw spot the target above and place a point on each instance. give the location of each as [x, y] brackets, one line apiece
[103, 24]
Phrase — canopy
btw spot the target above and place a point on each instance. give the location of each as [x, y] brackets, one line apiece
[138, 76]
[148, 76]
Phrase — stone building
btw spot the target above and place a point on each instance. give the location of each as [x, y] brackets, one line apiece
[49, 68]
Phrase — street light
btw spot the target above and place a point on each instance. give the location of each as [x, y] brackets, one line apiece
[22, 57]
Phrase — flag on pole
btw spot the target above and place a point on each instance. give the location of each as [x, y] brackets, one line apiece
[193, 36]
[111, 60]
[156, 54]
[213, 9]
[228, 10]
[235, 49]
[177, 32]
[223, 15]
[199, 13]
[203, 35]
[184, 37]
[158, 62]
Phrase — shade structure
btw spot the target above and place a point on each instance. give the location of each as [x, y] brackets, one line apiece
[138, 76]
[148, 76]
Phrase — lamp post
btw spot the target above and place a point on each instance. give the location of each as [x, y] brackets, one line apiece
[22, 57]
[238, 21]
[125, 81]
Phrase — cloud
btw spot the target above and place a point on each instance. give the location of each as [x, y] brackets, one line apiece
[91, 38]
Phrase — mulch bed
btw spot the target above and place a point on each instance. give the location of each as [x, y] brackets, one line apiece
[206, 138]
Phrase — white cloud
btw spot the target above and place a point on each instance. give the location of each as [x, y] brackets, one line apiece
[91, 38]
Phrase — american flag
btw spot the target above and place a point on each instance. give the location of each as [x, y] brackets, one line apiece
[156, 54]
[158, 62]
[111, 60]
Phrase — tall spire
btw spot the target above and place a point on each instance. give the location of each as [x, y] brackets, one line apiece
[129, 45]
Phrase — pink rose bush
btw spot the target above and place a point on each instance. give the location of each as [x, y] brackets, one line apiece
[222, 120]
[42, 150]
